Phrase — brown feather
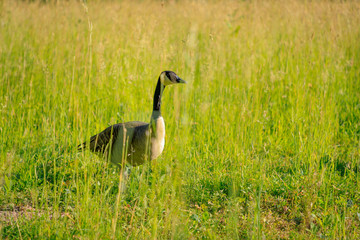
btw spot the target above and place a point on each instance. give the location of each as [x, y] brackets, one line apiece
[105, 139]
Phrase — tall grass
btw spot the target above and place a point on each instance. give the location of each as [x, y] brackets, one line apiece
[263, 141]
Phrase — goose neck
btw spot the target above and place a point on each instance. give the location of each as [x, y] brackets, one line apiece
[157, 97]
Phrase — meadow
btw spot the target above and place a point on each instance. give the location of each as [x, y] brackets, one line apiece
[263, 141]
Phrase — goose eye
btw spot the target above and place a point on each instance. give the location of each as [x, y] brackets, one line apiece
[168, 76]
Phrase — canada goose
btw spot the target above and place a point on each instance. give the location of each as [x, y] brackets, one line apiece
[135, 141]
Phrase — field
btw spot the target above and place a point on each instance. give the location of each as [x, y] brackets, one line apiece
[263, 141]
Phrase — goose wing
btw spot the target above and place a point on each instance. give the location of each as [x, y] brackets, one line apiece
[103, 140]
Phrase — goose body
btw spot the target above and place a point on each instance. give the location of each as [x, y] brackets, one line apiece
[135, 142]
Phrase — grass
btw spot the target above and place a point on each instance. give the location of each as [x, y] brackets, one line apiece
[263, 141]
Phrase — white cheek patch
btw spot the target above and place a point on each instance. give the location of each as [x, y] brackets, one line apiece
[167, 82]
[162, 79]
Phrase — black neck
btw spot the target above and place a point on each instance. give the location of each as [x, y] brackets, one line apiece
[157, 96]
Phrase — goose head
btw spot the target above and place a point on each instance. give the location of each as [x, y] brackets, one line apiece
[169, 78]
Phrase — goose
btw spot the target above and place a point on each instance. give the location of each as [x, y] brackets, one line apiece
[135, 142]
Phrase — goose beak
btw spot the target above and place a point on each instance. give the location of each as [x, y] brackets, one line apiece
[179, 80]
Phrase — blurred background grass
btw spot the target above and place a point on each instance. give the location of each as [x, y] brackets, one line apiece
[262, 141]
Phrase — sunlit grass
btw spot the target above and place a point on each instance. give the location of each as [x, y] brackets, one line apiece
[262, 141]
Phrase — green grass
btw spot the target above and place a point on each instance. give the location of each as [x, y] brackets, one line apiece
[263, 141]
